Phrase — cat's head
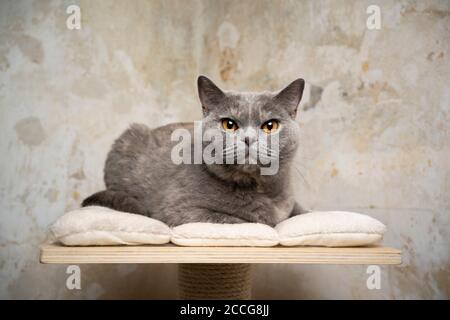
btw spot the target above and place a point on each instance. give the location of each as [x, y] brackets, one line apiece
[252, 125]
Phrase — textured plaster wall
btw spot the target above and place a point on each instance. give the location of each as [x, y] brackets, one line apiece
[375, 125]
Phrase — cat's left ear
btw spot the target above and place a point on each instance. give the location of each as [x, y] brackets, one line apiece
[290, 96]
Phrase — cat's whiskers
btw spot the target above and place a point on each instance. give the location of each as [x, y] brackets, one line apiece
[228, 149]
[297, 169]
[268, 152]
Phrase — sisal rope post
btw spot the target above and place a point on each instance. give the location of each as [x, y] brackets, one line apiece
[215, 281]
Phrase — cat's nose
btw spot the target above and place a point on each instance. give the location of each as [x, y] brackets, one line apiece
[249, 136]
[249, 140]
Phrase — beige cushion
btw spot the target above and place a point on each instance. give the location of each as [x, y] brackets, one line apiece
[216, 234]
[103, 226]
[96, 225]
[330, 229]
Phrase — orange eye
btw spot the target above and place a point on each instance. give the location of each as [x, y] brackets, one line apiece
[229, 125]
[270, 126]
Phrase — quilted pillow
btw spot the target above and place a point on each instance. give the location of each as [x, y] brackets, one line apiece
[216, 234]
[96, 225]
[330, 229]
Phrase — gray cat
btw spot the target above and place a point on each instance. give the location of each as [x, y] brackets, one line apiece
[141, 177]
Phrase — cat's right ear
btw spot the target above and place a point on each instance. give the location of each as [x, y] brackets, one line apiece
[210, 95]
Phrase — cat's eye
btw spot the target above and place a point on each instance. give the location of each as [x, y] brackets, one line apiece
[229, 125]
[270, 126]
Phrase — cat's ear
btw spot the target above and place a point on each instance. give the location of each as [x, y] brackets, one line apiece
[290, 96]
[210, 95]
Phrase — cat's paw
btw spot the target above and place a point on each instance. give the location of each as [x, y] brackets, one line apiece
[265, 218]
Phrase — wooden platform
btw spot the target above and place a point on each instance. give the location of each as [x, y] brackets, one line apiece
[176, 254]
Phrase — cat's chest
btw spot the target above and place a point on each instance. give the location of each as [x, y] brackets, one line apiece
[280, 204]
[268, 199]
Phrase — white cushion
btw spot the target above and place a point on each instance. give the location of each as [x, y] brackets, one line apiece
[330, 229]
[96, 225]
[216, 234]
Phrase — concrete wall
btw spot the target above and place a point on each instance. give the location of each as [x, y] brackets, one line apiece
[375, 124]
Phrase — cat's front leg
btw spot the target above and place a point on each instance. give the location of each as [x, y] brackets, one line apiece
[263, 216]
[190, 215]
[260, 211]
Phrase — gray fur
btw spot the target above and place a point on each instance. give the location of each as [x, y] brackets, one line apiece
[141, 178]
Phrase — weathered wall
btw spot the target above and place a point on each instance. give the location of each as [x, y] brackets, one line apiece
[375, 124]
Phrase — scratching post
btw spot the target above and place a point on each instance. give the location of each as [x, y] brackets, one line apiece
[215, 281]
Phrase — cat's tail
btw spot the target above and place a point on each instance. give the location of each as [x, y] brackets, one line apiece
[117, 200]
